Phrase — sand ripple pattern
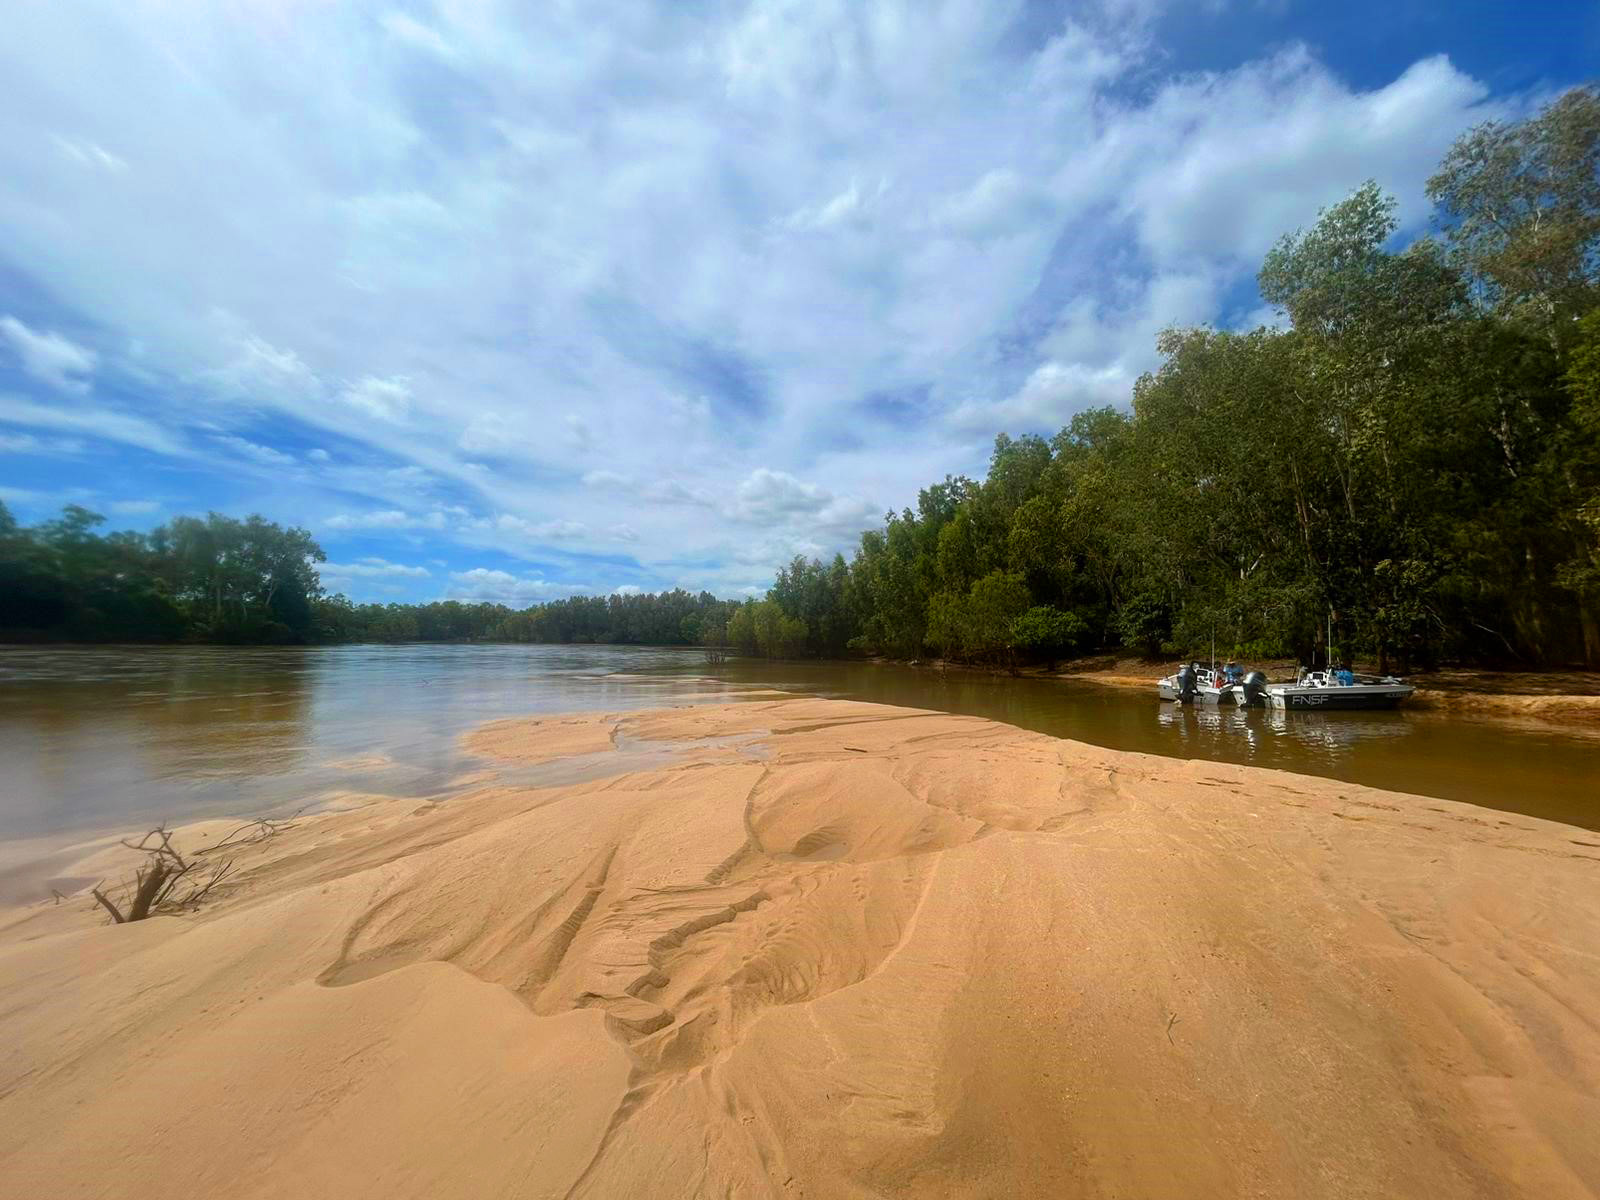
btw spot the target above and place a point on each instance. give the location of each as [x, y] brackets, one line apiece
[827, 949]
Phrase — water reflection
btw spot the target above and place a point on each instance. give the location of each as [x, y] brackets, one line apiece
[1330, 735]
[112, 736]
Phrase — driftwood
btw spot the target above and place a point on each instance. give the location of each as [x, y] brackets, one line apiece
[258, 830]
[169, 881]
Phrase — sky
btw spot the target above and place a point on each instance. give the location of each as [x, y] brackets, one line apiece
[514, 301]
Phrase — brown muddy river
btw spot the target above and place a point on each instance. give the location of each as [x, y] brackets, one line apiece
[109, 738]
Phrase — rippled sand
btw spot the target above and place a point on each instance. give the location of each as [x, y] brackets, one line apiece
[829, 949]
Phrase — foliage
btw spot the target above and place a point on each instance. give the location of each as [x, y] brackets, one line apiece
[1048, 632]
[1417, 457]
[216, 579]
[1521, 207]
[1415, 460]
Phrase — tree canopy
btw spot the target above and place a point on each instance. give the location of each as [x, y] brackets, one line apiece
[1416, 457]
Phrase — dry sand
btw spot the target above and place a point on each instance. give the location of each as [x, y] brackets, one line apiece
[836, 950]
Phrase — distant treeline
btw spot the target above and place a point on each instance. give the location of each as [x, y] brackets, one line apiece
[1416, 459]
[252, 581]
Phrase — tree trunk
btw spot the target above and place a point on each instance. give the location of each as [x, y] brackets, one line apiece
[149, 889]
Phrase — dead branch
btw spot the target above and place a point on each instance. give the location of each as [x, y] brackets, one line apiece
[150, 881]
[172, 881]
[168, 881]
[201, 890]
[116, 913]
[162, 850]
[252, 832]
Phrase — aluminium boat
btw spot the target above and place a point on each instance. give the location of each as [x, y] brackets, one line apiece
[1338, 689]
[1194, 684]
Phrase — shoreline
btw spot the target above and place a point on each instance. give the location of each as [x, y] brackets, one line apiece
[822, 947]
[1569, 697]
[1566, 697]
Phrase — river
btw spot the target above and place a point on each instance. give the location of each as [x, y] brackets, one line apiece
[95, 739]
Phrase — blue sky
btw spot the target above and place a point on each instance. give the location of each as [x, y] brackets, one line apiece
[512, 301]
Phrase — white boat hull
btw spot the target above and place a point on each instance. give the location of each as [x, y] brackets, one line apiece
[1167, 689]
[1354, 696]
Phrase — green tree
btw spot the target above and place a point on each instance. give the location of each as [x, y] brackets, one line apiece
[1520, 206]
[993, 606]
[1048, 632]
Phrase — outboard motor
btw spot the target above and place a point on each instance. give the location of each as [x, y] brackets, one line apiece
[1187, 682]
[1255, 689]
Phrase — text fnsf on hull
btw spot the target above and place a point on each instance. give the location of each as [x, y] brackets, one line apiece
[1324, 690]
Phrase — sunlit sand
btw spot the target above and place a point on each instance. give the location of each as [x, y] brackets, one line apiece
[828, 949]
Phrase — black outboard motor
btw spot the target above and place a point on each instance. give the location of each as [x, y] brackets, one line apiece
[1255, 689]
[1187, 682]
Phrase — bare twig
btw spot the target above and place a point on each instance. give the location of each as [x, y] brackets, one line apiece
[1172, 1020]
[116, 913]
[156, 885]
[201, 890]
[251, 832]
[163, 850]
[172, 881]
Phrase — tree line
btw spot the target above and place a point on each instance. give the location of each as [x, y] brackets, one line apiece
[223, 580]
[1414, 460]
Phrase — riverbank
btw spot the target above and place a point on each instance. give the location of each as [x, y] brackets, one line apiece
[1562, 697]
[821, 948]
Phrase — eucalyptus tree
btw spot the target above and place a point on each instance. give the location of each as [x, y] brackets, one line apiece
[1519, 203]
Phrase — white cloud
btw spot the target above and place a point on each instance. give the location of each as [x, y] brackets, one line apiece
[103, 423]
[16, 495]
[383, 399]
[1050, 397]
[27, 443]
[768, 495]
[134, 508]
[389, 518]
[370, 568]
[254, 451]
[578, 432]
[1233, 161]
[1000, 202]
[49, 357]
[90, 154]
[415, 34]
[502, 587]
[557, 530]
[854, 205]
[486, 433]
[534, 263]
[256, 370]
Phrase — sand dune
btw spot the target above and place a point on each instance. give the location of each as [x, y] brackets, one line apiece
[825, 949]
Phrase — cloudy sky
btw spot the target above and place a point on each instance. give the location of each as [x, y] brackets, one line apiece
[512, 300]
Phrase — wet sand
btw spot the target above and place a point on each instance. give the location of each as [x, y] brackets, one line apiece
[829, 949]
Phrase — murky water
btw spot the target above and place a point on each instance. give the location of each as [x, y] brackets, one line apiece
[110, 737]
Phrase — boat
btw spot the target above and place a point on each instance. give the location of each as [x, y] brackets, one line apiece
[1194, 684]
[1338, 689]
